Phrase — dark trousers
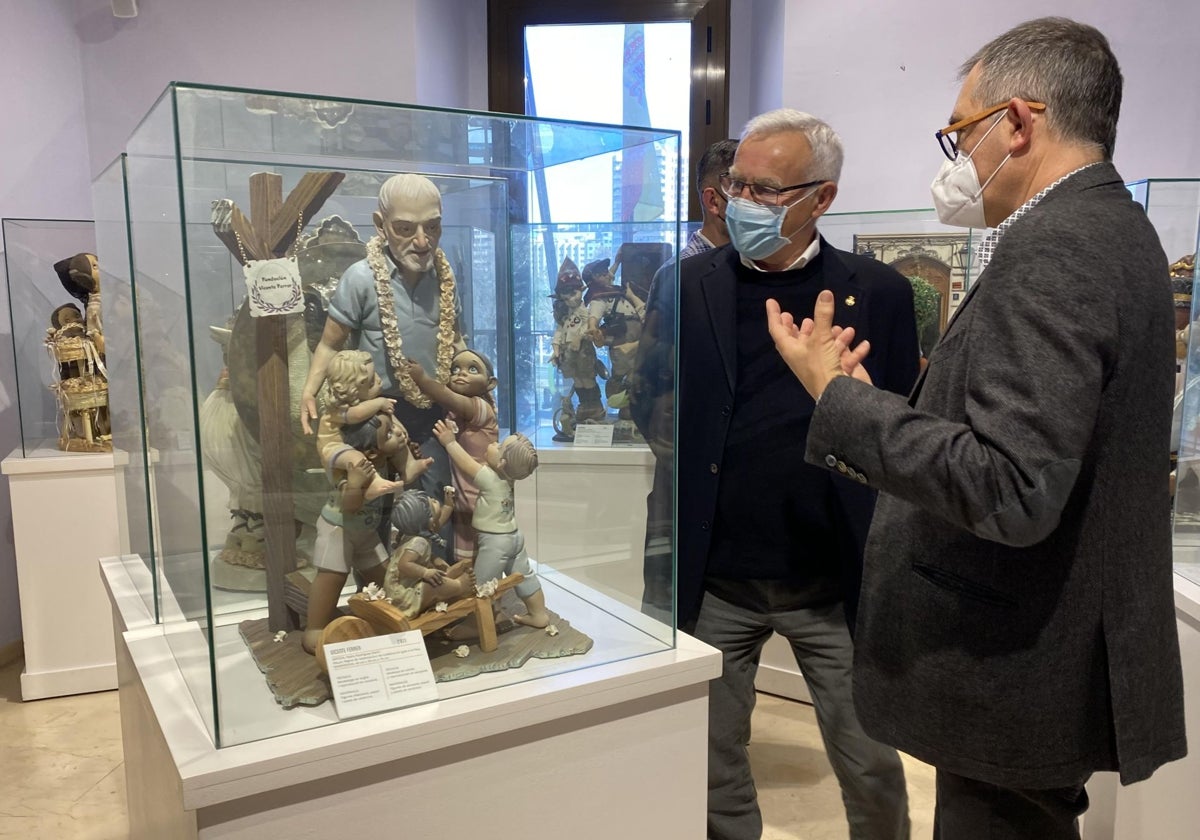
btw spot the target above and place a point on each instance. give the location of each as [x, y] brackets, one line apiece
[972, 810]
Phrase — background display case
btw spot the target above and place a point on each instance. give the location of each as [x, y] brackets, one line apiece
[182, 304]
[937, 258]
[1173, 207]
[31, 248]
[1187, 471]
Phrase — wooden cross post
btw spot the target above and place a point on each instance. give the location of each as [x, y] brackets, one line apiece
[270, 232]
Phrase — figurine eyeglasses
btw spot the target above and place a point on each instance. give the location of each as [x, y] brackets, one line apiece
[761, 193]
[949, 142]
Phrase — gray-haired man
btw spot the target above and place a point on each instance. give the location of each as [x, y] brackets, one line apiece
[1017, 628]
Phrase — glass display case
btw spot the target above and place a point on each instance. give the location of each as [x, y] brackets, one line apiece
[36, 297]
[938, 259]
[242, 210]
[1173, 207]
[124, 392]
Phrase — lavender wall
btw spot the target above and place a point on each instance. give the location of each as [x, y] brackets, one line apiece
[419, 51]
[884, 75]
[43, 175]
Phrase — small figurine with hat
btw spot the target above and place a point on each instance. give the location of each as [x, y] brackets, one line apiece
[572, 353]
[76, 340]
[615, 321]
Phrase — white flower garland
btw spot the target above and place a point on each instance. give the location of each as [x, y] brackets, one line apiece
[382, 269]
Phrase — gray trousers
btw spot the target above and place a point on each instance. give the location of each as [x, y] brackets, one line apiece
[870, 774]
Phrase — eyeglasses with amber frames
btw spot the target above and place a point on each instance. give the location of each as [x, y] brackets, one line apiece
[949, 142]
[761, 193]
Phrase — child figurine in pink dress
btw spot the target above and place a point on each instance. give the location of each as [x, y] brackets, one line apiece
[468, 398]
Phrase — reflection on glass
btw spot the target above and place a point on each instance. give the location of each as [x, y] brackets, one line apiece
[627, 74]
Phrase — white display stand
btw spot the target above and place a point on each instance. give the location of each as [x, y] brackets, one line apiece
[64, 516]
[1164, 807]
[618, 749]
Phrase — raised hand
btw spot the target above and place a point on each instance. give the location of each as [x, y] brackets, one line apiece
[815, 350]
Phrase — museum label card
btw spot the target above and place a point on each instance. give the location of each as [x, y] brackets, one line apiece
[594, 434]
[380, 673]
[273, 287]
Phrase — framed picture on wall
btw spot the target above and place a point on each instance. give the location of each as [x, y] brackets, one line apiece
[935, 263]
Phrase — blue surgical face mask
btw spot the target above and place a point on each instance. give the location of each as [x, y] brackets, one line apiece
[755, 229]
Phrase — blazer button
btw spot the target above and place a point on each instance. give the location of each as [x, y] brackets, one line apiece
[830, 461]
[850, 473]
[862, 478]
[725, 411]
[712, 468]
[704, 525]
[841, 466]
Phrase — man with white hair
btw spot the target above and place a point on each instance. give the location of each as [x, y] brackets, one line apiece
[766, 542]
[399, 303]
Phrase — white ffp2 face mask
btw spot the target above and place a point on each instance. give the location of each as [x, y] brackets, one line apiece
[957, 195]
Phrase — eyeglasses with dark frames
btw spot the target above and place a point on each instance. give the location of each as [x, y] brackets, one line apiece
[949, 142]
[761, 193]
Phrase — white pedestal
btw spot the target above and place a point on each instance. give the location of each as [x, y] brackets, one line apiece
[64, 517]
[1165, 806]
[616, 750]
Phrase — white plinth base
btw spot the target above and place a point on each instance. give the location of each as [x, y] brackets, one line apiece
[1165, 806]
[64, 516]
[616, 750]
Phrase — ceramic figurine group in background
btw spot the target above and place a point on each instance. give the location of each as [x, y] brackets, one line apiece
[75, 340]
[591, 310]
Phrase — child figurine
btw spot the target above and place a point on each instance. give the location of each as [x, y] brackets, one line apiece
[471, 405]
[348, 530]
[416, 580]
[501, 546]
[354, 389]
[572, 351]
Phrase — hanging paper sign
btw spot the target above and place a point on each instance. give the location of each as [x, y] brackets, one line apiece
[273, 287]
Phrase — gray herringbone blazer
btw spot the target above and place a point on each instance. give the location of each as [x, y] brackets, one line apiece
[1017, 622]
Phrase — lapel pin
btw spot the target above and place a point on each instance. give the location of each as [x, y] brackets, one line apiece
[850, 300]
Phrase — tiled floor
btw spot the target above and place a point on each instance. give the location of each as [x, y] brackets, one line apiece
[61, 768]
[62, 775]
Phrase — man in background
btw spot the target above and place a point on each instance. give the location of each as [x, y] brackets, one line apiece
[653, 403]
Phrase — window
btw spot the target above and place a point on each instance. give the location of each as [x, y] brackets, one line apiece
[615, 62]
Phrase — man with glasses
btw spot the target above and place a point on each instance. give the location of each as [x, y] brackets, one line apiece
[1017, 628]
[765, 542]
[652, 395]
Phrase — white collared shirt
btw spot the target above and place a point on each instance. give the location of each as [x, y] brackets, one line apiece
[810, 254]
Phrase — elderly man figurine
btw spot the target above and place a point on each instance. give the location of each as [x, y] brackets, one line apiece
[399, 303]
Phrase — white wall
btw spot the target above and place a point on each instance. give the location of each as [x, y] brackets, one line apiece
[755, 59]
[43, 175]
[884, 76]
[418, 51]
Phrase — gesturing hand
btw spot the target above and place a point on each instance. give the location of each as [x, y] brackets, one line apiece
[817, 351]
